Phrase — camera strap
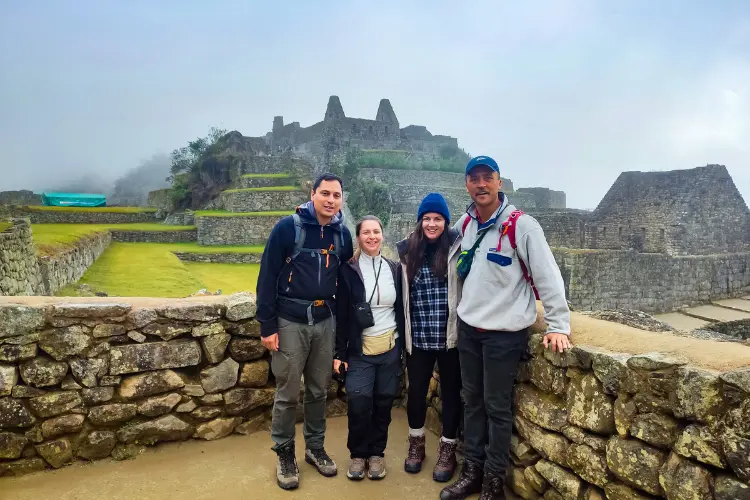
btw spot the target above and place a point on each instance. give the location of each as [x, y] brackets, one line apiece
[377, 278]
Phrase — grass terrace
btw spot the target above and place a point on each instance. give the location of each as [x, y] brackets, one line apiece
[4, 226]
[258, 189]
[119, 210]
[152, 270]
[50, 239]
[224, 213]
[196, 248]
[266, 176]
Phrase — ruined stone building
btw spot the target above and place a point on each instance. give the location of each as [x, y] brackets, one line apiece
[336, 130]
[696, 211]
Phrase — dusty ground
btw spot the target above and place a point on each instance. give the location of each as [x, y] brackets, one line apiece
[233, 468]
[720, 356]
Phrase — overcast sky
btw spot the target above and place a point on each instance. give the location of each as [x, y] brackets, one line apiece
[564, 94]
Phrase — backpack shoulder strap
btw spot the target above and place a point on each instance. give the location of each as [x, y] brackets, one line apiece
[511, 224]
[467, 220]
[299, 237]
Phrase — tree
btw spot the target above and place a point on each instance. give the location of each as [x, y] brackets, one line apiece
[187, 159]
[189, 183]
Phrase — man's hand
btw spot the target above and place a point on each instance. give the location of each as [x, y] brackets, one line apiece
[337, 365]
[558, 341]
[271, 342]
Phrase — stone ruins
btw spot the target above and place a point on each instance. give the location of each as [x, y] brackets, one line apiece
[91, 378]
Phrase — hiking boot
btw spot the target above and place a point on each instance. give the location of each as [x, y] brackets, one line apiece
[415, 455]
[287, 472]
[468, 483]
[492, 487]
[356, 469]
[321, 461]
[376, 467]
[446, 462]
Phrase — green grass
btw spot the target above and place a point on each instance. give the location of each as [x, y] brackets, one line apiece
[266, 176]
[224, 213]
[119, 210]
[4, 226]
[139, 270]
[196, 248]
[230, 278]
[50, 239]
[152, 270]
[273, 188]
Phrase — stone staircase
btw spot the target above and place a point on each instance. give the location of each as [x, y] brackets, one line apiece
[728, 317]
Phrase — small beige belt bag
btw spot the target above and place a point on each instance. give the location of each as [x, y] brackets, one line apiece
[378, 344]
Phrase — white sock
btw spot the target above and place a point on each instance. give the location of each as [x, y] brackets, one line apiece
[416, 432]
[443, 438]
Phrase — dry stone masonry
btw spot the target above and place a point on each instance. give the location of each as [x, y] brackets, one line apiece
[46, 216]
[592, 424]
[88, 379]
[235, 229]
[19, 271]
[60, 270]
[22, 272]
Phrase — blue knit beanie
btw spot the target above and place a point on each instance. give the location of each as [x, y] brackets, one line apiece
[434, 202]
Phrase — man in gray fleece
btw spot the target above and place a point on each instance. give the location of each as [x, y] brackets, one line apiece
[496, 308]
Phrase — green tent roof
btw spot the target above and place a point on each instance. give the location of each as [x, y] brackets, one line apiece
[74, 200]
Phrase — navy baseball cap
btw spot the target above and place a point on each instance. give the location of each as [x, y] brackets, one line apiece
[482, 160]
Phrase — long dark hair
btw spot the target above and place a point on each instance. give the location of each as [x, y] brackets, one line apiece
[417, 243]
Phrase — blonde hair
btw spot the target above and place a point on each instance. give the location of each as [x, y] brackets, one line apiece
[358, 251]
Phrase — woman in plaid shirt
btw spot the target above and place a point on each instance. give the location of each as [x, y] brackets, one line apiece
[430, 336]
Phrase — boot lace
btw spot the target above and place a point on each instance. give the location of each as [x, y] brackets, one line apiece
[286, 460]
[445, 453]
[321, 456]
[414, 449]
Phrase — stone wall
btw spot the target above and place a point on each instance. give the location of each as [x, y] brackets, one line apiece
[600, 279]
[82, 216]
[22, 197]
[220, 258]
[546, 198]
[87, 379]
[409, 177]
[186, 218]
[181, 236]
[262, 201]
[234, 230]
[275, 164]
[739, 328]
[67, 267]
[592, 424]
[19, 271]
[562, 228]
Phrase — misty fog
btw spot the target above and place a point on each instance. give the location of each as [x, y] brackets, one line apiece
[565, 94]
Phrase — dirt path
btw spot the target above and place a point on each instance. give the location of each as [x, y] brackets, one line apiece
[233, 468]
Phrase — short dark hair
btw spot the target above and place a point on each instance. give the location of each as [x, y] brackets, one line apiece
[328, 176]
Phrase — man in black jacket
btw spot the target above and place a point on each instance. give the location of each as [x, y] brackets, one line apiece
[296, 303]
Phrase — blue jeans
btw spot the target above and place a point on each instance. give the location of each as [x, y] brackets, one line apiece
[489, 364]
[372, 384]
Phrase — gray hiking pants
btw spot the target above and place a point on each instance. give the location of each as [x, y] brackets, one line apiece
[303, 350]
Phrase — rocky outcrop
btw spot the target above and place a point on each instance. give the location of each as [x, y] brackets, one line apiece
[88, 380]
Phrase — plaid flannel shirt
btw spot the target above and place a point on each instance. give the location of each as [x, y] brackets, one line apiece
[428, 309]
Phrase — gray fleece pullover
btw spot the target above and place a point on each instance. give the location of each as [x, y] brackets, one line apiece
[495, 295]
